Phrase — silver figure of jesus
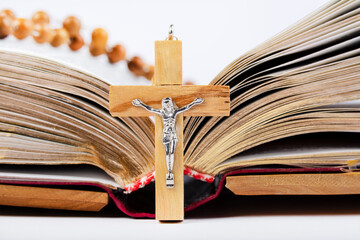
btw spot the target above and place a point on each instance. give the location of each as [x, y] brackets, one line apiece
[168, 113]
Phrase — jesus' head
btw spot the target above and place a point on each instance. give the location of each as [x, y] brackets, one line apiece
[167, 104]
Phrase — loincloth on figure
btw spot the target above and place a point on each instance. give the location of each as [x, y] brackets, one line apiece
[169, 137]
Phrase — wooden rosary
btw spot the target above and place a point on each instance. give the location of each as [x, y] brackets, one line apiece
[38, 27]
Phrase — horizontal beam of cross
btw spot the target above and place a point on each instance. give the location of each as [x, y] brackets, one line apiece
[216, 99]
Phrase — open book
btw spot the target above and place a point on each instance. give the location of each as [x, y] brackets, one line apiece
[294, 108]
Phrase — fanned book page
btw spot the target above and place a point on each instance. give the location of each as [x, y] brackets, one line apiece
[288, 86]
[53, 114]
[294, 107]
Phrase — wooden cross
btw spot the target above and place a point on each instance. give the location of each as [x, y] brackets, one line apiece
[167, 82]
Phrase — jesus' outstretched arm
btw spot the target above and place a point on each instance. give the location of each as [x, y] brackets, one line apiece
[139, 103]
[187, 107]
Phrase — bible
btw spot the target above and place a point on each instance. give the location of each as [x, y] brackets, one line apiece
[294, 109]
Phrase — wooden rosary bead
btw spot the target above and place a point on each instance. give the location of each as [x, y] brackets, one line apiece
[72, 25]
[98, 43]
[9, 13]
[76, 42]
[43, 33]
[149, 73]
[116, 54]
[61, 36]
[5, 26]
[40, 17]
[21, 28]
[99, 35]
[96, 50]
[136, 66]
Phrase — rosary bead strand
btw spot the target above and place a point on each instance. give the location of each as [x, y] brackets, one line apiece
[39, 28]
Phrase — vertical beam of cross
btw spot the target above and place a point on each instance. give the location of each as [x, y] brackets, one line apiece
[168, 72]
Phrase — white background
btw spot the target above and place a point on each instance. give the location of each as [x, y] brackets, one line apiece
[214, 33]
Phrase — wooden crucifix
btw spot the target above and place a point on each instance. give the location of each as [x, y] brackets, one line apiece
[169, 101]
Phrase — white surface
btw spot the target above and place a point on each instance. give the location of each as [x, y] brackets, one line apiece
[279, 227]
[229, 217]
[214, 33]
